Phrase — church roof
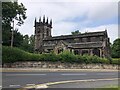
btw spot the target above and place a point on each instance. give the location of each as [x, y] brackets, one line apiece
[87, 34]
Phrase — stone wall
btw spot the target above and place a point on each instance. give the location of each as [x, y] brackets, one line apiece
[58, 65]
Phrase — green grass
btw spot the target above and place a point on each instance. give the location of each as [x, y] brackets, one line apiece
[113, 86]
[109, 87]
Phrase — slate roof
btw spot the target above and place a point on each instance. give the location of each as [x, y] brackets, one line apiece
[88, 34]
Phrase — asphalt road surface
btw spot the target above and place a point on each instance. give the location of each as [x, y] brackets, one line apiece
[22, 79]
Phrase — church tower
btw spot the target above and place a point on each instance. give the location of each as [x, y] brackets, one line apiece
[42, 31]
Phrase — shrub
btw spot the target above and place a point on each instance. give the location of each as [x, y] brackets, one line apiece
[80, 59]
[67, 56]
[87, 59]
[11, 55]
[116, 61]
[49, 57]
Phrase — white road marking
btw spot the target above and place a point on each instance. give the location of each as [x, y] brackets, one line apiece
[106, 74]
[41, 86]
[25, 74]
[70, 74]
[46, 85]
[30, 84]
[14, 85]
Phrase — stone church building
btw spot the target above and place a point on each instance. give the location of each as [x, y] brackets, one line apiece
[92, 43]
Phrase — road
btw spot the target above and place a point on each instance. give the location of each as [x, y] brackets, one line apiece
[22, 79]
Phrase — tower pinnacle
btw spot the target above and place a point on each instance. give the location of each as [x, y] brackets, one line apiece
[40, 19]
[35, 21]
[51, 22]
[44, 19]
[47, 21]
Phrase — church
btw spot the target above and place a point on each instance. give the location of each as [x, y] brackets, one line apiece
[91, 43]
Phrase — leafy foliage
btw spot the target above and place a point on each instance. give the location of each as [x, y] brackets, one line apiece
[11, 55]
[76, 32]
[18, 39]
[28, 43]
[116, 61]
[66, 56]
[116, 48]
[12, 11]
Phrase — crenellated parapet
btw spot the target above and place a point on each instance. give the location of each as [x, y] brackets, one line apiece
[43, 22]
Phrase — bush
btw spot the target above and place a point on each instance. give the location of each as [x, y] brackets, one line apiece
[116, 61]
[11, 55]
[49, 57]
[92, 59]
[67, 56]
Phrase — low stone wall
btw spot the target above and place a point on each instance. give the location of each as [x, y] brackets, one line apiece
[58, 65]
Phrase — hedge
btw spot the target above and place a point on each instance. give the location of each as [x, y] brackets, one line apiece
[116, 61]
[10, 55]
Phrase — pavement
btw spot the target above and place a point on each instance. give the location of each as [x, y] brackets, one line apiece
[46, 78]
[53, 70]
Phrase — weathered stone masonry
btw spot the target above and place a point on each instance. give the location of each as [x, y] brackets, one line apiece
[92, 43]
[59, 65]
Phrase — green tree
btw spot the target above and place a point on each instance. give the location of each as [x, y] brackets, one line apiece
[25, 43]
[32, 42]
[76, 32]
[28, 43]
[18, 39]
[11, 11]
[116, 48]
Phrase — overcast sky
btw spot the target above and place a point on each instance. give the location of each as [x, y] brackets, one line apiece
[72, 15]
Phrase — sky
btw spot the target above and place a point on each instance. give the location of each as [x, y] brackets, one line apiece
[72, 15]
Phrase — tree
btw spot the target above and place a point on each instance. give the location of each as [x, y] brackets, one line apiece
[18, 39]
[28, 43]
[116, 48]
[32, 42]
[76, 32]
[25, 43]
[11, 11]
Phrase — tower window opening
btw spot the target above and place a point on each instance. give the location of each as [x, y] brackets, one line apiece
[47, 32]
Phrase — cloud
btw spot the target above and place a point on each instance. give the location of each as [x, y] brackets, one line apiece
[102, 10]
[62, 10]
[70, 15]
[63, 28]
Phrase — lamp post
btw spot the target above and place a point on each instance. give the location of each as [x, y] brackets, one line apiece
[12, 37]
